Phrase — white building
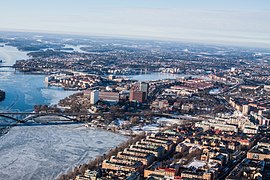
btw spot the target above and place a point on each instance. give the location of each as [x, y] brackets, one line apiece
[94, 97]
[144, 87]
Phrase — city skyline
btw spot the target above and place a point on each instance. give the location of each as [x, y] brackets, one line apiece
[243, 22]
[121, 89]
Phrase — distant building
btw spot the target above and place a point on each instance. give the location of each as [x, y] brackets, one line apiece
[266, 87]
[87, 94]
[187, 107]
[246, 109]
[259, 152]
[94, 97]
[156, 169]
[136, 96]
[109, 96]
[197, 174]
[111, 77]
[122, 165]
[144, 87]
[139, 92]
[206, 125]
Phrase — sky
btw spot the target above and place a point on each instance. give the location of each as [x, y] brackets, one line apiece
[235, 22]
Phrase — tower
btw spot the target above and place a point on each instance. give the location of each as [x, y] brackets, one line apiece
[94, 97]
[144, 89]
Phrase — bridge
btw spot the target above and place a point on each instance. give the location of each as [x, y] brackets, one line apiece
[3, 66]
[71, 116]
[23, 117]
[11, 67]
[20, 118]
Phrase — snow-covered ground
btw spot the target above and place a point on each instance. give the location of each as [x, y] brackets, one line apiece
[214, 91]
[169, 121]
[44, 152]
[156, 127]
[151, 128]
[196, 163]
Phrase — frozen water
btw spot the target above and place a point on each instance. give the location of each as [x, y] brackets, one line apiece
[45, 152]
[55, 95]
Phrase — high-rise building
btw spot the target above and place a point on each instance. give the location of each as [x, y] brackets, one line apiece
[143, 87]
[94, 97]
[136, 96]
[139, 92]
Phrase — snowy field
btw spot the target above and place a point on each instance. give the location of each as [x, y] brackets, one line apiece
[196, 163]
[156, 127]
[45, 152]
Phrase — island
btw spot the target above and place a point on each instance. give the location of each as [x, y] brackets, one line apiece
[2, 95]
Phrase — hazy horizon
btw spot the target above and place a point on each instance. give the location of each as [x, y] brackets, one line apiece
[240, 23]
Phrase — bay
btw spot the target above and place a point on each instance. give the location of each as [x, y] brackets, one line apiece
[23, 91]
[37, 151]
